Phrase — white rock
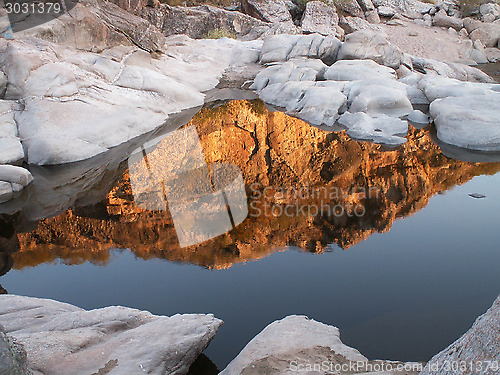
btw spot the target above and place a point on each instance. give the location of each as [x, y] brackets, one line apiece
[321, 105]
[286, 95]
[287, 339]
[61, 339]
[418, 117]
[11, 150]
[382, 129]
[376, 100]
[437, 87]
[479, 346]
[14, 174]
[320, 18]
[451, 70]
[469, 122]
[385, 11]
[370, 45]
[353, 70]
[6, 191]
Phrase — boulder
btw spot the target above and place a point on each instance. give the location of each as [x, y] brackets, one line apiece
[492, 54]
[287, 340]
[354, 70]
[268, 11]
[408, 8]
[280, 48]
[438, 87]
[366, 44]
[202, 22]
[490, 12]
[376, 100]
[487, 33]
[470, 122]
[12, 356]
[350, 7]
[353, 24]
[441, 19]
[134, 6]
[372, 17]
[322, 19]
[479, 346]
[385, 11]
[15, 175]
[381, 129]
[450, 70]
[366, 5]
[94, 25]
[62, 339]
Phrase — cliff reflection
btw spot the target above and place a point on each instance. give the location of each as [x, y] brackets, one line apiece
[276, 154]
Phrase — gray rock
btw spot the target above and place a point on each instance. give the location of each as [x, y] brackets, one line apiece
[353, 24]
[439, 87]
[61, 339]
[450, 70]
[201, 22]
[441, 19]
[280, 48]
[408, 8]
[376, 100]
[322, 19]
[490, 12]
[372, 17]
[350, 7]
[478, 56]
[479, 345]
[487, 33]
[493, 54]
[470, 122]
[354, 70]
[368, 44]
[385, 11]
[419, 118]
[267, 11]
[94, 25]
[283, 340]
[366, 5]
[12, 356]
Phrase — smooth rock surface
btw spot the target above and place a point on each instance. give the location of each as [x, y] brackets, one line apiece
[469, 122]
[479, 345]
[353, 70]
[62, 339]
[369, 45]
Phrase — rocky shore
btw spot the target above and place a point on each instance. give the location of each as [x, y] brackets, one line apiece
[84, 89]
[47, 337]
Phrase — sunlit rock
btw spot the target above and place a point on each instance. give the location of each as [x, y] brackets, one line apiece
[469, 122]
[479, 347]
[64, 339]
[381, 129]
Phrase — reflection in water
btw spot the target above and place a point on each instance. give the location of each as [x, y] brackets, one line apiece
[364, 189]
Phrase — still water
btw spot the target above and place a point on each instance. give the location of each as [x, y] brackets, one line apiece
[402, 280]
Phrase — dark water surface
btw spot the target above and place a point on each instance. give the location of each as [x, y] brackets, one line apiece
[401, 281]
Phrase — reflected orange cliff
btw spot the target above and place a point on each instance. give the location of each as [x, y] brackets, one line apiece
[277, 154]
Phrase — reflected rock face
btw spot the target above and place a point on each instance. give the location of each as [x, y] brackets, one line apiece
[357, 189]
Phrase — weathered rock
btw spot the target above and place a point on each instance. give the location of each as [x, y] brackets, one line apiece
[408, 8]
[267, 11]
[133, 6]
[322, 19]
[94, 25]
[372, 17]
[469, 122]
[351, 7]
[385, 11]
[441, 19]
[492, 54]
[438, 87]
[417, 117]
[477, 56]
[201, 22]
[285, 47]
[354, 70]
[353, 24]
[479, 346]
[283, 340]
[451, 70]
[367, 44]
[381, 129]
[487, 33]
[490, 12]
[12, 356]
[64, 339]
